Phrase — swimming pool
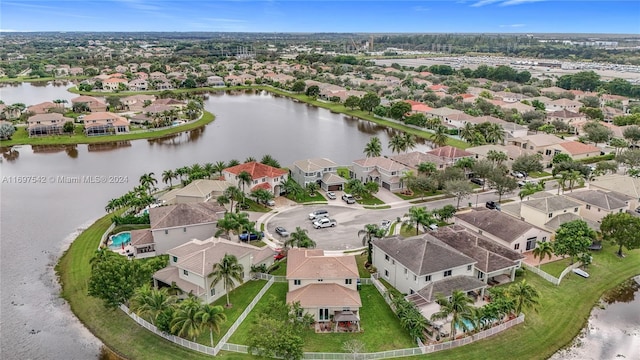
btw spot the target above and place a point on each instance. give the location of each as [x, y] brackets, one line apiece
[468, 323]
[120, 239]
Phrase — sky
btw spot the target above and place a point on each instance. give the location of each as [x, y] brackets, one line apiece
[383, 16]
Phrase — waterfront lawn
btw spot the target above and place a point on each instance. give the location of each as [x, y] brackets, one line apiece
[22, 138]
[563, 311]
[556, 268]
[240, 298]
[382, 330]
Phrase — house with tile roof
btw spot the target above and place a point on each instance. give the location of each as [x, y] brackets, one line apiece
[46, 124]
[325, 286]
[105, 123]
[573, 119]
[200, 190]
[576, 149]
[543, 209]
[564, 104]
[321, 171]
[449, 155]
[381, 170]
[424, 267]
[504, 229]
[414, 158]
[191, 263]
[44, 107]
[93, 103]
[597, 203]
[262, 177]
[512, 151]
[175, 225]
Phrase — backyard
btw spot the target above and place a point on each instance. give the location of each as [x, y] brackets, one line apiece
[556, 268]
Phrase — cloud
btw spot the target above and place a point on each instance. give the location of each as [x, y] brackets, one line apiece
[484, 2]
[502, 2]
[513, 25]
[518, 2]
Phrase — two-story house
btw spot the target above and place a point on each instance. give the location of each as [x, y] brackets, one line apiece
[546, 210]
[325, 286]
[105, 123]
[46, 124]
[414, 263]
[93, 103]
[321, 171]
[200, 190]
[621, 184]
[191, 263]
[597, 204]
[262, 177]
[504, 229]
[449, 155]
[381, 170]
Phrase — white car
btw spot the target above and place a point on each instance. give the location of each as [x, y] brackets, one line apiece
[385, 224]
[331, 195]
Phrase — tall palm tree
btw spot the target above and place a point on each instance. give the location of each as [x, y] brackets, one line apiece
[299, 238]
[574, 177]
[229, 271]
[409, 141]
[219, 167]
[167, 176]
[433, 122]
[186, 322]
[311, 188]
[209, 169]
[244, 178]
[233, 194]
[212, 316]
[148, 181]
[149, 303]
[495, 133]
[370, 232]
[542, 250]
[270, 160]
[498, 157]
[396, 144]
[458, 307]
[467, 132]
[408, 179]
[524, 295]
[222, 200]
[182, 171]
[233, 162]
[440, 136]
[373, 148]
[418, 215]
[250, 159]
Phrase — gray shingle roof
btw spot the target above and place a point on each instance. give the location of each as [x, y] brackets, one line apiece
[555, 223]
[552, 203]
[493, 222]
[184, 214]
[422, 254]
[598, 198]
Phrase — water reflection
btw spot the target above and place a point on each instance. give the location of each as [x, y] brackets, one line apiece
[180, 138]
[10, 153]
[624, 293]
[108, 146]
[72, 151]
[48, 149]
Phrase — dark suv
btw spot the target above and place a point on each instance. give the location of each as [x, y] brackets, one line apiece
[493, 205]
[477, 181]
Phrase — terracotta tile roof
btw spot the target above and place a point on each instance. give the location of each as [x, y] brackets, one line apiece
[313, 264]
[578, 148]
[256, 170]
[325, 295]
[264, 185]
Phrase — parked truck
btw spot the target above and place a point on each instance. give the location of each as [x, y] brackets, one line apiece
[324, 223]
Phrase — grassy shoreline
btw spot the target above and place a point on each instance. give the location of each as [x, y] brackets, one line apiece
[542, 334]
[207, 118]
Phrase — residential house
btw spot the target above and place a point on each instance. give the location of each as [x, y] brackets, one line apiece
[105, 123]
[509, 97]
[610, 112]
[504, 229]
[518, 106]
[575, 120]
[262, 177]
[138, 85]
[622, 184]
[215, 81]
[176, 104]
[384, 171]
[449, 155]
[113, 84]
[157, 76]
[321, 171]
[510, 129]
[136, 102]
[544, 210]
[553, 91]
[46, 124]
[564, 104]
[576, 150]
[174, 225]
[597, 203]
[512, 151]
[325, 286]
[200, 190]
[543, 144]
[418, 107]
[44, 107]
[425, 267]
[190, 265]
[413, 159]
[93, 103]
[443, 113]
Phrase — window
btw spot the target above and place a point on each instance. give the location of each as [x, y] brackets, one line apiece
[411, 292]
[166, 232]
[598, 209]
[320, 280]
[393, 262]
[175, 259]
[575, 209]
[242, 275]
[405, 271]
[544, 239]
[386, 257]
[323, 314]
[427, 278]
[531, 243]
[415, 278]
[447, 273]
[184, 229]
[386, 273]
[213, 292]
[516, 247]
[185, 272]
[550, 215]
[296, 282]
[480, 275]
[348, 281]
[468, 267]
[588, 207]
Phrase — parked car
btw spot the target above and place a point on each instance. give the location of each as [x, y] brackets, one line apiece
[385, 224]
[271, 203]
[349, 199]
[517, 174]
[246, 236]
[318, 214]
[282, 231]
[492, 205]
[477, 181]
[280, 254]
[331, 195]
[324, 223]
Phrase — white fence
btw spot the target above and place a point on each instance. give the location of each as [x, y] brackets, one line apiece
[103, 239]
[351, 356]
[550, 278]
[381, 289]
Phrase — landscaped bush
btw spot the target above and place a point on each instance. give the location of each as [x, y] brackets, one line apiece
[131, 219]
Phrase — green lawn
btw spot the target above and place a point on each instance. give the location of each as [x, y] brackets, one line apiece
[254, 206]
[121, 228]
[282, 268]
[370, 201]
[305, 198]
[343, 172]
[555, 268]
[406, 231]
[22, 138]
[539, 174]
[240, 298]
[381, 327]
[360, 260]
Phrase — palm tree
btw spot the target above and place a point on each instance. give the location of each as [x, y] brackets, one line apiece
[182, 171]
[167, 176]
[370, 232]
[212, 316]
[227, 270]
[233, 194]
[426, 168]
[433, 122]
[186, 321]
[418, 215]
[440, 136]
[299, 238]
[311, 188]
[467, 132]
[149, 303]
[573, 177]
[498, 157]
[233, 162]
[356, 187]
[543, 249]
[529, 189]
[244, 178]
[408, 179]
[396, 144]
[148, 181]
[292, 188]
[209, 169]
[249, 159]
[409, 141]
[219, 167]
[222, 200]
[270, 160]
[494, 133]
[458, 307]
[373, 148]
[524, 296]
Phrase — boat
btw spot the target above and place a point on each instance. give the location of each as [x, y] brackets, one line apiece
[581, 272]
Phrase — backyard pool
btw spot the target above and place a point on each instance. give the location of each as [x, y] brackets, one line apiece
[120, 239]
[468, 323]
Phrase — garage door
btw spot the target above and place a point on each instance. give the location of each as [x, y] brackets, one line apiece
[335, 187]
[386, 185]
